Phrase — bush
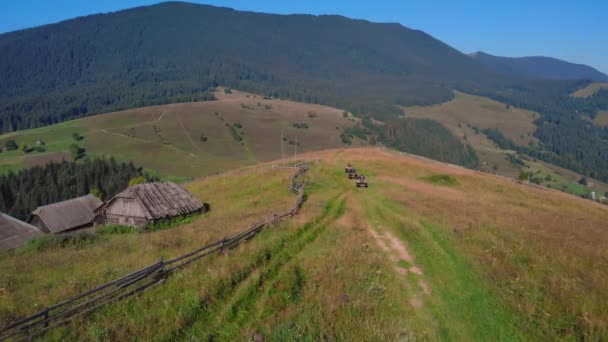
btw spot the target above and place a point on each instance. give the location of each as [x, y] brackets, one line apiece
[11, 145]
[171, 222]
[442, 180]
[97, 193]
[523, 176]
[138, 180]
[77, 151]
[114, 229]
[49, 241]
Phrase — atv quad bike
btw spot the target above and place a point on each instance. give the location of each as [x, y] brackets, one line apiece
[361, 182]
[353, 174]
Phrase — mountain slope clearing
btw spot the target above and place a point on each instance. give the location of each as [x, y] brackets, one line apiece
[428, 251]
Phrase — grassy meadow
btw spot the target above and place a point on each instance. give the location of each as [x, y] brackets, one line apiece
[428, 252]
[467, 115]
[189, 139]
[601, 119]
[590, 89]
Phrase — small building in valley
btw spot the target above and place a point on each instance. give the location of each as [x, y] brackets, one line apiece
[66, 216]
[15, 233]
[142, 204]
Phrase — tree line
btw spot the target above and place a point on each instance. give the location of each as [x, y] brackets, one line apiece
[24, 191]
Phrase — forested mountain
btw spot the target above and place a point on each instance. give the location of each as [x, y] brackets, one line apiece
[21, 193]
[176, 51]
[540, 67]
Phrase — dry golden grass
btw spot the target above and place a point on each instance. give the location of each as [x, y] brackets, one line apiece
[601, 119]
[167, 138]
[466, 115]
[543, 251]
[516, 124]
[590, 90]
[454, 255]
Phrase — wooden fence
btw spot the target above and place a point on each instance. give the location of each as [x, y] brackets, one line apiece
[145, 278]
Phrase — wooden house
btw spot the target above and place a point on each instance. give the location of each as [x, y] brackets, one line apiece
[66, 216]
[14, 232]
[142, 204]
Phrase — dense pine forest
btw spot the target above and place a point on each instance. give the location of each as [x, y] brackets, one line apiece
[430, 139]
[177, 52]
[22, 192]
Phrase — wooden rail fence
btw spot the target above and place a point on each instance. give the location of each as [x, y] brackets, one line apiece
[147, 277]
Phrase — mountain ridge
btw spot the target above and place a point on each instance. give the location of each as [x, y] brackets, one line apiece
[107, 62]
[541, 67]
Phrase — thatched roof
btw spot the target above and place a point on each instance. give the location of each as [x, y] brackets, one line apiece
[14, 233]
[161, 200]
[71, 214]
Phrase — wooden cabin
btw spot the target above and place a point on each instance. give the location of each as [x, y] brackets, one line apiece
[66, 216]
[142, 204]
[15, 233]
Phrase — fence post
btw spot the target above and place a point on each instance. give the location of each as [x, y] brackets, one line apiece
[46, 318]
[223, 244]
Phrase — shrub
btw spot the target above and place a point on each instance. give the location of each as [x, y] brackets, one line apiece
[11, 145]
[442, 180]
[114, 229]
[97, 193]
[77, 151]
[171, 222]
[44, 242]
[138, 180]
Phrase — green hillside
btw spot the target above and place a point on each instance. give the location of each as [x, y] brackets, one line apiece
[428, 251]
[467, 116]
[191, 139]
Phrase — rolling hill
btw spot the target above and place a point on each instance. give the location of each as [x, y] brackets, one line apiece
[429, 251]
[540, 67]
[468, 117]
[191, 139]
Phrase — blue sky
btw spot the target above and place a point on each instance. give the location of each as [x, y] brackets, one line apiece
[576, 31]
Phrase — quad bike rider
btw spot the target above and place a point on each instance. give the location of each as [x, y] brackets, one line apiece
[348, 168]
[353, 174]
[361, 181]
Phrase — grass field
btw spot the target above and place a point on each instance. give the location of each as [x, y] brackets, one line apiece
[601, 119]
[428, 252]
[590, 90]
[190, 139]
[467, 115]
